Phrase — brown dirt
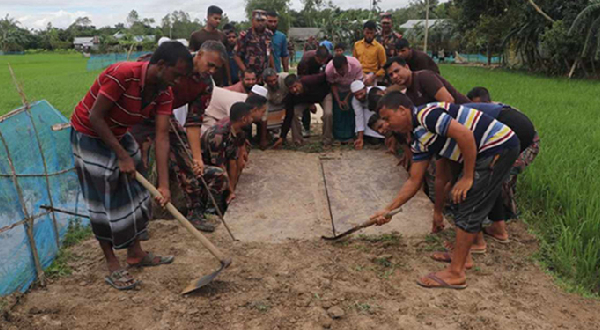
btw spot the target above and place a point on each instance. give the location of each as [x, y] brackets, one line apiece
[292, 284]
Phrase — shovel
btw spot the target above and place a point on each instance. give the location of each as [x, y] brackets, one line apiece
[225, 262]
[359, 227]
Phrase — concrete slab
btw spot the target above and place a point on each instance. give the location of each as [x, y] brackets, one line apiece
[281, 195]
[359, 183]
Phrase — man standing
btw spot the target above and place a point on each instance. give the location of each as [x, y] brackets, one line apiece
[107, 156]
[255, 47]
[211, 32]
[312, 62]
[231, 35]
[362, 115]
[422, 87]
[281, 55]
[370, 54]
[484, 149]
[388, 38]
[416, 59]
[248, 79]
[341, 72]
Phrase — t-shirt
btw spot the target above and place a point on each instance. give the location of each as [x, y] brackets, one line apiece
[280, 49]
[199, 37]
[308, 64]
[421, 61]
[220, 105]
[121, 83]
[425, 84]
[430, 129]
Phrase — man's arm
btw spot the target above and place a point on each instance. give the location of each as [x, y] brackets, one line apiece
[162, 156]
[380, 61]
[98, 113]
[466, 142]
[233, 174]
[194, 134]
[443, 95]
[240, 54]
[285, 56]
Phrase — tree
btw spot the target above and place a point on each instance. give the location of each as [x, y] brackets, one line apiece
[12, 37]
[178, 25]
[587, 23]
[132, 18]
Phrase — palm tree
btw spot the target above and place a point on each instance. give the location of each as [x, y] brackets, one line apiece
[10, 34]
[588, 23]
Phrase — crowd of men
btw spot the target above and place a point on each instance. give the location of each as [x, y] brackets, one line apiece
[197, 107]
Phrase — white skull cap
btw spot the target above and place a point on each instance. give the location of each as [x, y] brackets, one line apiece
[356, 86]
[260, 90]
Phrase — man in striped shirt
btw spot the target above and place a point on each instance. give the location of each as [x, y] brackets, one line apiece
[484, 148]
[107, 156]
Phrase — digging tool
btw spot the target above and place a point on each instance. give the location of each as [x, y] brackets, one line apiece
[225, 262]
[359, 227]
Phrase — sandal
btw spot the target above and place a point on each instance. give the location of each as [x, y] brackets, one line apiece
[148, 261]
[499, 240]
[441, 283]
[121, 276]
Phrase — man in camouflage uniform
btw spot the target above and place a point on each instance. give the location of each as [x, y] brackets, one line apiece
[254, 47]
[388, 38]
[222, 141]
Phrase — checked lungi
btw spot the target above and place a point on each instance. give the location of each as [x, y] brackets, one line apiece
[119, 206]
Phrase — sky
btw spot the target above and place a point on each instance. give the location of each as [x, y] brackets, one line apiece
[36, 14]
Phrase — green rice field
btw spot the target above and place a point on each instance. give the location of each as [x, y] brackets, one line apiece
[559, 194]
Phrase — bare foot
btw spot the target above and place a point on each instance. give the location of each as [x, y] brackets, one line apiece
[446, 257]
[476, 249]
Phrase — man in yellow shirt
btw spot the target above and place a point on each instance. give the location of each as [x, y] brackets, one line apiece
[371, 54]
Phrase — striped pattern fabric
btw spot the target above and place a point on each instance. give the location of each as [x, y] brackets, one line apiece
[119, 206]
[123, 84]
[431, 127]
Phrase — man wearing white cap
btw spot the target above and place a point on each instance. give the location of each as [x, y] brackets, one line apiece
[362, 114]
[261, 123]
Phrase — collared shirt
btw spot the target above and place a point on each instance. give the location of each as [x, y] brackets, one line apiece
[362, 114]
[371, 56]
[276, 97]
[254, 49]
[389, 42]
[280, 49]
[123, 84]
[421, 61]
[430, 129]
[343, 82]
[425, 84]
[220, 144]
[308, 64]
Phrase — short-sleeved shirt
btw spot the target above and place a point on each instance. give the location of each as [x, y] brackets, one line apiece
[430, 129]
[122, 83]
[195, 91]
[220, 144]
[280, 49]
[199, 37]
[220, 105]
[371, 56]
[255, 48]
[425, 84]
[389, 42]
[343, 83]
[421, 61]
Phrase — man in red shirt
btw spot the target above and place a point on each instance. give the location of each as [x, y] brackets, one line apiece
[107, 156]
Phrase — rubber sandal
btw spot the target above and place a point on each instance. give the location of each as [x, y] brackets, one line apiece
[442, 283]
[506, 241]
[148, 261]
[121, 276]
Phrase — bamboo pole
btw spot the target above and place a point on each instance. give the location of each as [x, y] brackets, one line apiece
[426, 27]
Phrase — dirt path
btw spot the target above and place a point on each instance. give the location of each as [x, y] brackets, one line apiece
[292, 284]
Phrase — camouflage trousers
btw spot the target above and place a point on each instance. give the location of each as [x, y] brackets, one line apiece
[196, 195]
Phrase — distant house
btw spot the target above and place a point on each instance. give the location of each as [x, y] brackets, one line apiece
[420, 23]
[142, 38]
[86, 44]
[302, 34]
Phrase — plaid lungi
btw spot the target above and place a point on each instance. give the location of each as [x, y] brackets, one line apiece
[119, 206]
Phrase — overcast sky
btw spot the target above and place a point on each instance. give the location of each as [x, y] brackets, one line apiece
[37, 13]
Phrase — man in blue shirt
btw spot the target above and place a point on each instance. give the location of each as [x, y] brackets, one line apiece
[328, 44]
[280, 48]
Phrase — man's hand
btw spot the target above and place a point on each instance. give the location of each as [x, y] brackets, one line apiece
[438, 222]
[165, 196]
[369, 79]
[278, 143]
[381, 218]
[127, 166]
[460, 189]
[198, 167]
[344, 105]
[359, 143]
[404, 161]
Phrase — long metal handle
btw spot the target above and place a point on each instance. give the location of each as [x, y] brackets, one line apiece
[182, 220]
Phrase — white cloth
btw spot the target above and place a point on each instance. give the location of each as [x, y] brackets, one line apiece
[362, 114]
[181, 114]
[220, 105]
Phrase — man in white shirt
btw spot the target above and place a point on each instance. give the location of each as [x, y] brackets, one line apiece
[277, 92]
[362, 114]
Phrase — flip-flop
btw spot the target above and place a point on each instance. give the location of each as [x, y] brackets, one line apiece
[121, 276]
[148, 261]
[446, 257]
[505, 241]
[449, 246]
[442, 283]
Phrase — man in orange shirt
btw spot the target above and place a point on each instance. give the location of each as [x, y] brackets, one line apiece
[371, 54]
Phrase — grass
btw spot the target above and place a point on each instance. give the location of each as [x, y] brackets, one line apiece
[61, 79]
[75, 234]
[560, 192]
